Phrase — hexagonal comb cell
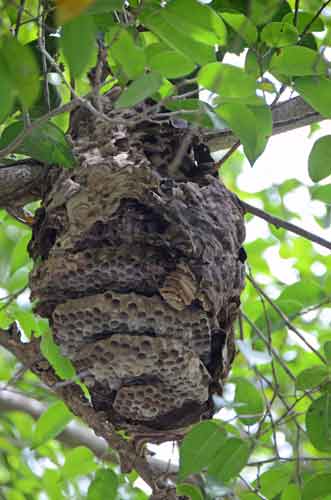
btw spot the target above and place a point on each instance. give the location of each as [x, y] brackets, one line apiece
[80, 320]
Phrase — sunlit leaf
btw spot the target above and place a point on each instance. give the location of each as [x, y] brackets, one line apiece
[21, 71]
[312, 377]
[230, 460]
[319, 159]
[298, 61]
[46, 143]
[104, 485]
[189, 490]
[318, 422]
[279, 34]
[250, 404]
[316, 91]
[51, 423]
[74, 44]
[199, 448]
[79, 461]
[139, 89]
[318, 487]
[242, 25]
[51, 351]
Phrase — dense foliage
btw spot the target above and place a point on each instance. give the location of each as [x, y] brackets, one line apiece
[273, 442]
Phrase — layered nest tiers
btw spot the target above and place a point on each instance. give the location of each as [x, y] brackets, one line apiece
[138, 267]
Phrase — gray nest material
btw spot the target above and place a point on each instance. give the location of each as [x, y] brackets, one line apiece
[140, 275]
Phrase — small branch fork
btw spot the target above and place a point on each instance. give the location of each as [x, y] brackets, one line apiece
[29, 355]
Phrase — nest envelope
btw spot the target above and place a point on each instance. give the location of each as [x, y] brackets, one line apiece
[138, 270]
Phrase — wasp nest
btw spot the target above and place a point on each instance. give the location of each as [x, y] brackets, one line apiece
[140, 275]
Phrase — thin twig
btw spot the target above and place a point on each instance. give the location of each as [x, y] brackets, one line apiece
[313, 19]
[285, 319]
[284, 224]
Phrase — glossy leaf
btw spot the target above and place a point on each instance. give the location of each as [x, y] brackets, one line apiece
[200, 22]
[319, 159]
[128, 55]
[74, 44]
[242, 25]
[303, 19]
[317, 488]
[279, 34]
[51, 351]
[46, 143]
[51, 423]
[104, 485]
[316, 91]
[190, 491]
[6, 94]
[327, 351]
[21, 71]
[250, 124]
[321, 193]
[168, 62]
[230, 460]
[274, 480]
[139, 89]
[297, 61]
[199, 448]
[79, 461]
[227, 80]
[318, 422]
[250, 404]
[291, 492]
[172, 34]
[312, 377]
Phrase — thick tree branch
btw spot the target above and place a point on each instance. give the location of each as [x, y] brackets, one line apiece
[29, 355]
[74, 434]
[287, 115]
[21, 183]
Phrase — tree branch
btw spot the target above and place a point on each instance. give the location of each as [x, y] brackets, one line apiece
[287, 115]
[285, 225]
[29, 355]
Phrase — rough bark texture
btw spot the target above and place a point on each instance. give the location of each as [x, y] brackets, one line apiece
[139, 270]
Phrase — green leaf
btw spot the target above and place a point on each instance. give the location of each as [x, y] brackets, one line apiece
[199, 447]
[252, 125]
[312, 377]
[51, 351]
[315, 90]
[79, 49]
[250, 402]
[79, 462]
[230, 460]
[104, 485]
[318, 422]
[51, 423]
[199, 22]
[303, 19]
[6, 94]
[227, 80]
[138, 90]
[319, 159]
[242, 25]
[173, 35]
[279, 34]
[21, 70]
[168, 62]
[128, 55]
[317, 488]
[273, 481]
[51, 484]
[190, 491]
[327, 351]
[103, 6]
[297, 61]
[46, 143]
[322, 193]
[291, 492]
